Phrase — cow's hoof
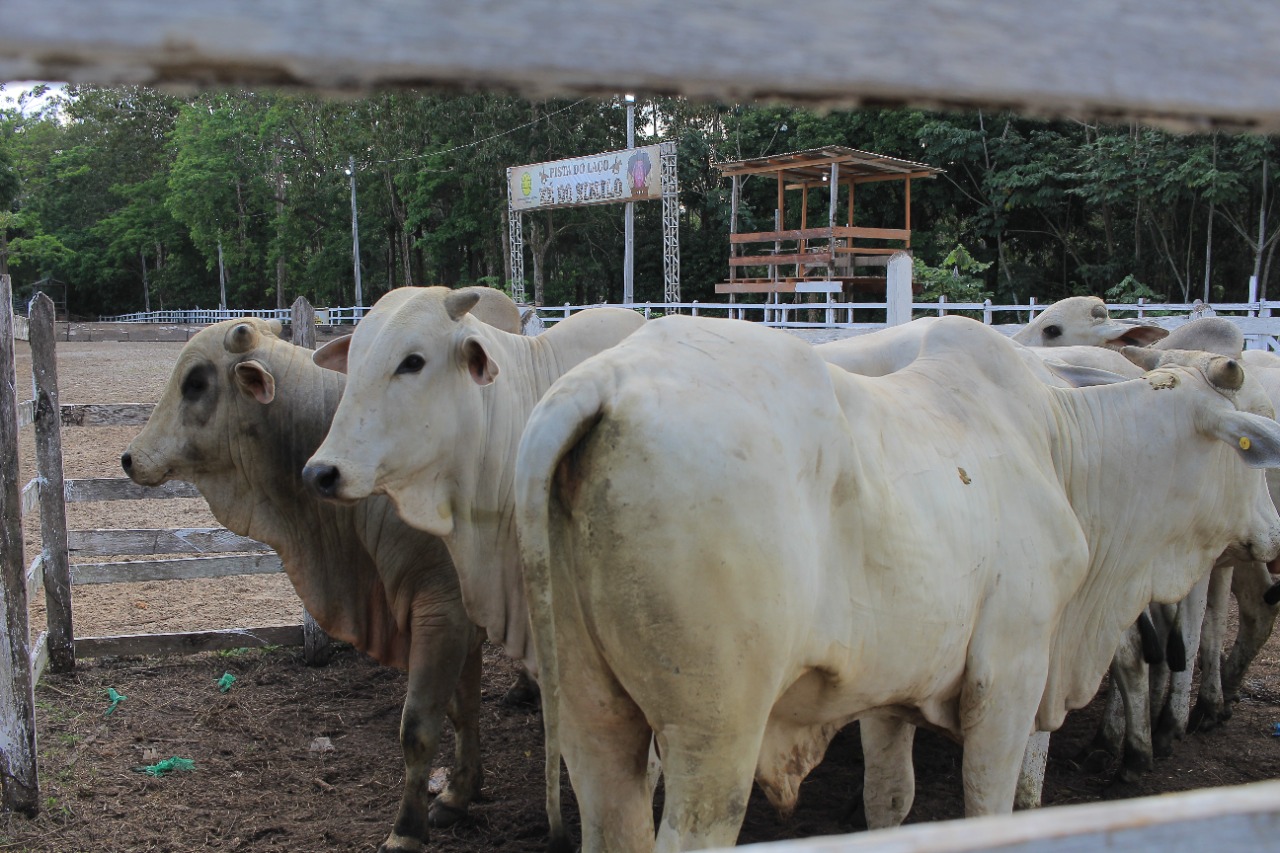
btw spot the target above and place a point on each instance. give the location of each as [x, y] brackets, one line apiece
[1206, 718]
[401, 844]
[1095, 760]
[1133, 768]
[442, 815]
[524, 692]
[1162, 745]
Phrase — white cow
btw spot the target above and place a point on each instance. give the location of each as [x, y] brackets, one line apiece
[724, 536]
[432, 416]
[240, 415]
[1085, 321]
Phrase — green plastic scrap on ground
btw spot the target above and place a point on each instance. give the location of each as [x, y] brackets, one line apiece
[115, 699]
[225, 682]
[167, 766]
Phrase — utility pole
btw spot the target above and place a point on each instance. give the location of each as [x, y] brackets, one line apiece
[629, 238]
[355, 233]
[222, 280]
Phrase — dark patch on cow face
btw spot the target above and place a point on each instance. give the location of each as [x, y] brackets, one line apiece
[200, 394]
[1052, 331]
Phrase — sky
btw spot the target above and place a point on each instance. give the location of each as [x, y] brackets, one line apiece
[13, 89]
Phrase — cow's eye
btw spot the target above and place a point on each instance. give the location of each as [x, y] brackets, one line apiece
[1053, 331]
[412, 364]
[195, 384]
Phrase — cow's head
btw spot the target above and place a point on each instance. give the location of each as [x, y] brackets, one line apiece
[221, 376]
[1230, 407]
[418, 367]
[1084, 321]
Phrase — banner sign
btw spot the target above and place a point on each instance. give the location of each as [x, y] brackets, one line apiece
[634, 174]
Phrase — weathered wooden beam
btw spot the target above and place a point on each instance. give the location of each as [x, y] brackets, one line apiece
[188, 643]
[185, 568]
[26, 413]
[178, 540]
[780, 260]
[106, 414]
[124, 489]
[53, 506]
[1238, 819]
[315, 642]
[19, 786]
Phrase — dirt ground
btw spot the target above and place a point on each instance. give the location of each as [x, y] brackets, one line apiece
[257, 783]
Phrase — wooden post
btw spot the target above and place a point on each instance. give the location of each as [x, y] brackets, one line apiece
[898, 289]
[19, 786]
[315, 642]
[53, 504]
[908, 225]
[733, 225]
[831, 223]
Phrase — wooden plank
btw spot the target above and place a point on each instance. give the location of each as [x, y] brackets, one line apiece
[124, 489]
[185, 568]
[30, 497]
[53, 507]
[35, 576]
[1070, 59]
[179, 540]
[866, 250]
[26, 414]
[106, 414]
[859, 233]
[1239, 819]
[778, 260]
[755, 287]
[189, 643]
[40, 657]
[905, 176]
[19, 785]
[771, 236]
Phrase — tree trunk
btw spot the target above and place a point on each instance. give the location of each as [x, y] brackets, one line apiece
[146, 288]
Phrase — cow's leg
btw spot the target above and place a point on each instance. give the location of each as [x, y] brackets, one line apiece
[1211, 708]
[523, 691]
[437, 657]
[1175, 712]
[451, 804]
[889, 780]
[1250, 583]
[1129, 676]
[1031, 778]
[707, 774]
[1003, 684]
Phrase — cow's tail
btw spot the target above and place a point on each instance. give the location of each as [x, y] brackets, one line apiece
[558, 422]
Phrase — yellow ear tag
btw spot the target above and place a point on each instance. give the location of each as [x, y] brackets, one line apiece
[1245, 444]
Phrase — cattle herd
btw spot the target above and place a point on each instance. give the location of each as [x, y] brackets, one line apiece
[713, 545]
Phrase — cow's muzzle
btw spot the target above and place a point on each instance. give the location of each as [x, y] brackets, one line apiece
[323, 480]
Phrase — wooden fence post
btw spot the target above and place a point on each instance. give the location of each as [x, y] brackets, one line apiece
[53, 505]
[315, 642]
[898, 289]
[19, 786]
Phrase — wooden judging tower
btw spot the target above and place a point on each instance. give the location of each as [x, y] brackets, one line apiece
[832, 259]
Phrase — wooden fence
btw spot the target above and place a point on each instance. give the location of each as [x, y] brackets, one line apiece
[220, 552]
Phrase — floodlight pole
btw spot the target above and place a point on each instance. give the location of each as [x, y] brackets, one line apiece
[629, 238]
[355, 233]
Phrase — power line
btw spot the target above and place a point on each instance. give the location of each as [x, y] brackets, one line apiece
[480, 141]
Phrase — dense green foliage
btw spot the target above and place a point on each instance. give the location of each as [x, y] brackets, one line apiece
[129, 194]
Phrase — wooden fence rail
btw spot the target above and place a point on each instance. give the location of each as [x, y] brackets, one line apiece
[216, 552]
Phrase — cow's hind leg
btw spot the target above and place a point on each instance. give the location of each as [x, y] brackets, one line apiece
[1211, 708]
[1250, 583]
[451, 804]
[605, 741]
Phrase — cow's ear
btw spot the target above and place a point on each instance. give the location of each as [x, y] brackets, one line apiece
[333, 355]
[275, 327]
[1255, 438]
[256, 381]
[482, 368]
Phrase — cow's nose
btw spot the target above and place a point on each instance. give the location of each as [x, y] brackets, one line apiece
[126, 462]
[323, 479]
